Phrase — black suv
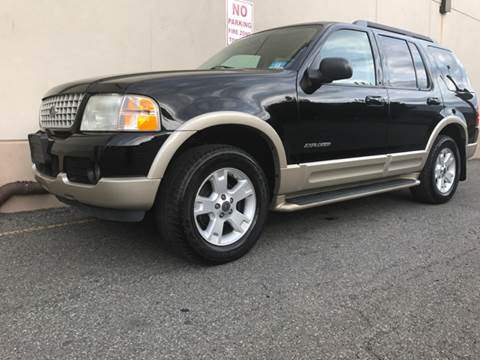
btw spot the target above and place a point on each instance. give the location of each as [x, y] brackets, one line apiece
[284, 119]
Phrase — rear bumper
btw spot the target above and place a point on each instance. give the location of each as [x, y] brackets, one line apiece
[126, 193]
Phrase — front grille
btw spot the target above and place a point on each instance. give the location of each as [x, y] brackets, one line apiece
[59, 112]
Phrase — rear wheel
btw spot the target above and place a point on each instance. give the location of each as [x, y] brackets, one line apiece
[440, 176]
[213, 203]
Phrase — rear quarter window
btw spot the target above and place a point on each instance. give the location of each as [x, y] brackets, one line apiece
[448, 64]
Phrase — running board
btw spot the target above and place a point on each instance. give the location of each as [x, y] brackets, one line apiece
[330, 197]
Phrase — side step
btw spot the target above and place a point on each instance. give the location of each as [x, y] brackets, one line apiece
[330, 197]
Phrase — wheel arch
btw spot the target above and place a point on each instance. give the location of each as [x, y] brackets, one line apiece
[208, 128]
[456, 128]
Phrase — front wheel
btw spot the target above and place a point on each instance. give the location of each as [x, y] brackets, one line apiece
[441, 174]
[213, 203]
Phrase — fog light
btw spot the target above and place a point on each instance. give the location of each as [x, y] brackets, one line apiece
[94, 174]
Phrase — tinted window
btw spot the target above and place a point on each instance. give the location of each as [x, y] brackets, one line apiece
[422, 77]
[398, 62]
[355, 47]
[272, 49]
[450, 65]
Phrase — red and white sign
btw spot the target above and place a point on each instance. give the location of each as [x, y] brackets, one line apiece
[239, 19]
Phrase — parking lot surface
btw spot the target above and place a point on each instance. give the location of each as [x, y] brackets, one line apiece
[376, 278]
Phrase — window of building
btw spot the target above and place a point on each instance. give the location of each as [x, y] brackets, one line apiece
[355, 47]
[398, 62]
[420, 69]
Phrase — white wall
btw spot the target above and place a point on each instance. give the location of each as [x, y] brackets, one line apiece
[47, 42]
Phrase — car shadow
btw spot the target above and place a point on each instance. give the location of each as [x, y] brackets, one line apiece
[142, 241]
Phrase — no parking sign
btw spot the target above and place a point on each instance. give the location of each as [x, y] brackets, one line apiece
[239, 19]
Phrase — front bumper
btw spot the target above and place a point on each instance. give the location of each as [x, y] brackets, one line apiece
[85, 158]
[104, 174]
[129, 193]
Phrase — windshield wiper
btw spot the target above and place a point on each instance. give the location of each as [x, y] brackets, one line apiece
[221, 67]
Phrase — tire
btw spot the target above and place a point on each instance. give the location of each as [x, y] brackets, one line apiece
[429, 189]
[190, 182]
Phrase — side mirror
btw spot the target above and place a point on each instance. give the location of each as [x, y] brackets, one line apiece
[330, 69]
[335, 69]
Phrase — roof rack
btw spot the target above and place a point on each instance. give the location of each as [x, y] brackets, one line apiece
[392, 29]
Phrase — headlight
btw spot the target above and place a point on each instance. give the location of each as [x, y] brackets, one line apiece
[113, 112]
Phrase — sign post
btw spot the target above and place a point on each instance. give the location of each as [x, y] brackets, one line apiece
[239, 19]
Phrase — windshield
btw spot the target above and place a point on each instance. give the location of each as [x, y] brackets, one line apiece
[272, 49]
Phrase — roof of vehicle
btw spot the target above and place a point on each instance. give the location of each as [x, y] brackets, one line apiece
[363, 23]
[316, 23]
[392, 29]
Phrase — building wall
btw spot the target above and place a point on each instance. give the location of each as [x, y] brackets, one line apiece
[47, 42]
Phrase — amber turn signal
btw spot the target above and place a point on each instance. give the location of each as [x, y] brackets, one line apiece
[139, 113]
[115, 112]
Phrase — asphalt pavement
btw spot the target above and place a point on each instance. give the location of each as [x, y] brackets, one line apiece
[376, 278]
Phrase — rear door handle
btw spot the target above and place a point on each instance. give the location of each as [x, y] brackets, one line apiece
[433, 101]
[375, 100]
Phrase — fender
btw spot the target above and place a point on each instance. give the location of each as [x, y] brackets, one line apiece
[465, 150]
[438, 129]
[204, 121]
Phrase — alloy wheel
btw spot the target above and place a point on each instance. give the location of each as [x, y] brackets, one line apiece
[225, 206]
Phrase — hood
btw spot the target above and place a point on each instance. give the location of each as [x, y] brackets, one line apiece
[120, 83]
[183, 95]
[110, 83]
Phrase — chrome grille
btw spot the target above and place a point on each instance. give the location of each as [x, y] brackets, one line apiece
[59, 112]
